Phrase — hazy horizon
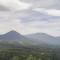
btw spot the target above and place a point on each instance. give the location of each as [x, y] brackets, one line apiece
[36, 33]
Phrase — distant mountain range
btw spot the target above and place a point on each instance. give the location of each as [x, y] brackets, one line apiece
[45, 38]
[14, 36]
[33, 39]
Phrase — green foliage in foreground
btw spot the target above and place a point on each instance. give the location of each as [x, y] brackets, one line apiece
[28, 54]
[10, 51]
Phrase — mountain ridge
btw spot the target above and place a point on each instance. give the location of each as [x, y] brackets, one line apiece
[45, 38]
[38, 38]
[12, 35]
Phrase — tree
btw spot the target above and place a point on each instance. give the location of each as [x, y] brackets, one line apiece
[30, 57]
[15, 58]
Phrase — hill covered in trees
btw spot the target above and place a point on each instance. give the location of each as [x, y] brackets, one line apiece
[14, 46]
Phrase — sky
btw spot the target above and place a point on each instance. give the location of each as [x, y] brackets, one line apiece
[30, 16]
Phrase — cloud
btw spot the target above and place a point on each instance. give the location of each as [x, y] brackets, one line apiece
[49, 4]
[29, 21]
[30, 17]
[3, 8]
[14, 4]
[51, 12]
[39, 21]
[9, 22]
[27, 16]
[51, 28]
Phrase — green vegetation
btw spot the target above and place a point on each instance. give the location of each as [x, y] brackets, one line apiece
[10, 51]
[25, 53]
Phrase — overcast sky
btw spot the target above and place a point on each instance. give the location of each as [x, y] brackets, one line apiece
[30, 16]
